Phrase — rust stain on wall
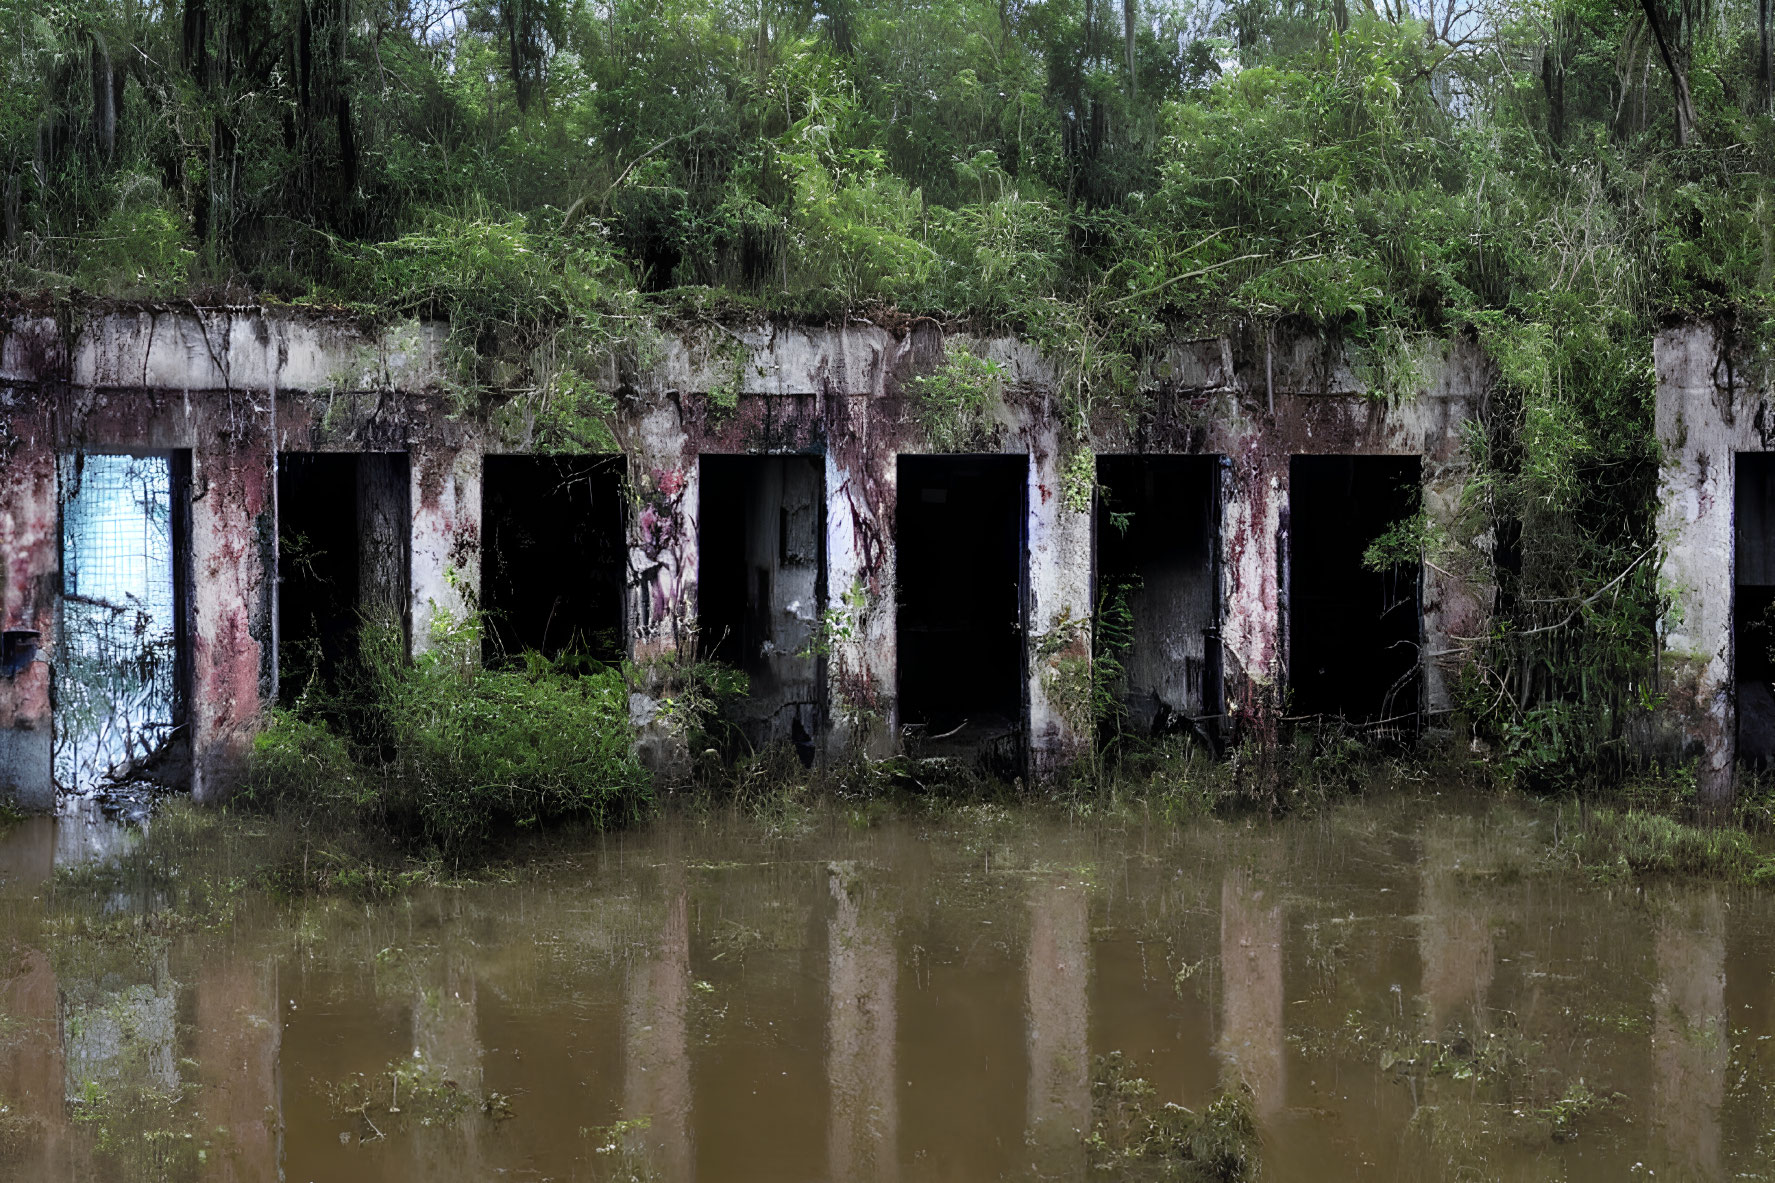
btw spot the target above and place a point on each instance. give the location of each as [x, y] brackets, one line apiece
[236, 386]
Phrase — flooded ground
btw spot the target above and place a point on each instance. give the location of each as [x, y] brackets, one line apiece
[1402, 988]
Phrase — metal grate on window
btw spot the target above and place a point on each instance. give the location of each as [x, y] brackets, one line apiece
[116, 687]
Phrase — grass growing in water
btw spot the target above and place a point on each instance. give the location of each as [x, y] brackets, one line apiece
[1631, 843]
[1135, 1136]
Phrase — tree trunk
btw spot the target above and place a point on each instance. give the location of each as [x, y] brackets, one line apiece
[1128, 45]
[1679, 74]
[1553, 82]
[1765, 58]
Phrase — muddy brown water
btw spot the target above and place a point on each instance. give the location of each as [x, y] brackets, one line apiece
[1402, 989]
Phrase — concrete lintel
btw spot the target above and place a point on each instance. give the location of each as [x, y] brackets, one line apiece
[238, 348]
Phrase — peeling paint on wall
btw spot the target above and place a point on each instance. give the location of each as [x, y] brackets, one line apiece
[237, 385]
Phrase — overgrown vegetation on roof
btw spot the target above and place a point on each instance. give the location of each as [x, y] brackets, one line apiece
[557, 177]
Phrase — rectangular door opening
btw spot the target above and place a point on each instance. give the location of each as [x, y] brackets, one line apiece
[555, 557]
[343, 553]
[123, 653]
[1353, 630]
[1158, 591]
[959, 549]
[1753, 606]
[761, 531]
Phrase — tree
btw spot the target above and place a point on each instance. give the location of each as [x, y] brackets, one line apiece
[1676, 64]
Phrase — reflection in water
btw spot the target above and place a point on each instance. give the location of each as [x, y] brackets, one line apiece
[31, 1068]
[862, 968]
[238, 1037]
[904, 1013]
[656, 1060]
[1251, 989]
[120, 1035]
[1058, 972]
[84, 835]
[447, 1047]
[27, 855]
[1689, 1037]
[1454, 933]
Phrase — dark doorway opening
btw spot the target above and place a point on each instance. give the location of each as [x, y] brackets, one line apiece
[343, 549]
[959, 536]
[1353, 631]
[555, 557]
[761, 532]
[1753, 606]
[1158, 589]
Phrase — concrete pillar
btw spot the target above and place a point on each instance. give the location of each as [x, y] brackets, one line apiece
[862, 972]
[1251, 997]
[1454, 933]
[1704, 418]
[30, 584]
[1454, 608]
[444, 572]
[656, 1050]
[1254, 547]
[232, 564]
[860, 671]
[1058, 977]
[1457, 582]
[662, 536]
[31, 1066]
[1691, 1039]
[1059, 614]
[239, 1034]
[660, 614]
[447, 1041]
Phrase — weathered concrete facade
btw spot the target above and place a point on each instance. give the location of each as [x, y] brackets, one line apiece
[237, 387]
[1714, 422]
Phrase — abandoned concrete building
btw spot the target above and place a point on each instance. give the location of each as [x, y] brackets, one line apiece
[197, 507]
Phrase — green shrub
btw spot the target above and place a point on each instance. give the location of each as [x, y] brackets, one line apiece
[301, 760]
[504, 748]
[441, 754]
[141, 249]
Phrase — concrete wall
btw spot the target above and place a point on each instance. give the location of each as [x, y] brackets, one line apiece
[1706, 415]
[235, 386]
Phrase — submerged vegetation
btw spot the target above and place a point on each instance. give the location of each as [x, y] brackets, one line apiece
[1135, 1136]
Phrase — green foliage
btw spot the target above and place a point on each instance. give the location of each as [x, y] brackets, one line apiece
[1402, 544]
[1135, 1136]
[405, 1094]
[953, 400]
[301, 760]
[449, 756]
[1633, 843]
[840, 625]
[142, 248]
[505, 748]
